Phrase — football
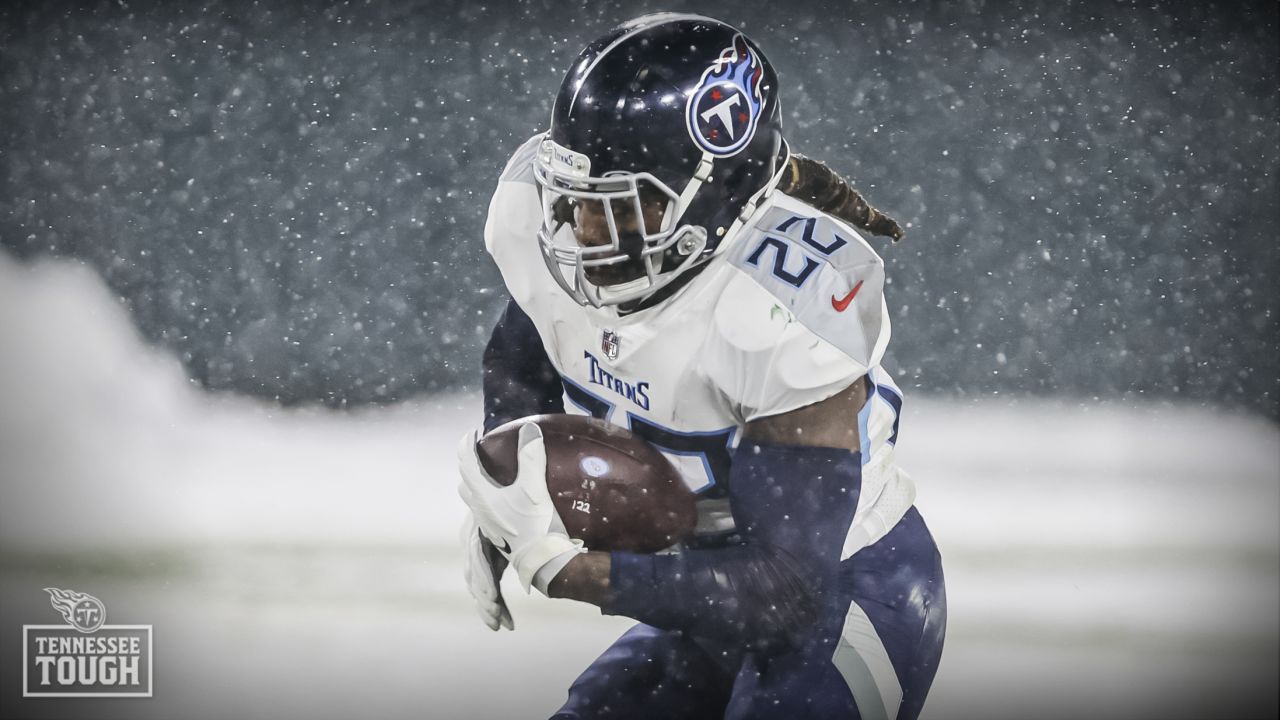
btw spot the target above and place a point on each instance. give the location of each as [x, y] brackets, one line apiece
[612, 489]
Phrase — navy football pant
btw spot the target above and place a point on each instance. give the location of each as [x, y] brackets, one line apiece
[873, 654]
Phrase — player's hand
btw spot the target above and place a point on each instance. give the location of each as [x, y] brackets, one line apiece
[519, 518]
[482, 567]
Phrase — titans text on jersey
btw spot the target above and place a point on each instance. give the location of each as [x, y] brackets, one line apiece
[636, 392]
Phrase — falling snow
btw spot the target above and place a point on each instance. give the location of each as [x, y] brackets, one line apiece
[291, 198]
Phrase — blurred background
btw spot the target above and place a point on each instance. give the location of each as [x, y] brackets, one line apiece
[243, 296]
[290, 196]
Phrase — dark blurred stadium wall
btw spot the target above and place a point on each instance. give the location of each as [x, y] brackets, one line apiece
[290, 196]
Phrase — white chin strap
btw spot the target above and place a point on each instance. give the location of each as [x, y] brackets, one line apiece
[606, 293]
[753, 202]
[701, 175]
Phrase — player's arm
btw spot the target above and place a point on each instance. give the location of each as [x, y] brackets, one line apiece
[793, 488]
[519, 379]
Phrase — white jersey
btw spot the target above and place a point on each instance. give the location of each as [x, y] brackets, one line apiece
[790, 312]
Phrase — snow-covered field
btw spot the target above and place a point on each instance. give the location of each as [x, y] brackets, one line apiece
[1102, 561]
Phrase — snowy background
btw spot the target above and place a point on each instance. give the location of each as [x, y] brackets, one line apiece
[242, 299]
[289, 196]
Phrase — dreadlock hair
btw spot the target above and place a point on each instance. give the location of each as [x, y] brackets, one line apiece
[815, 183]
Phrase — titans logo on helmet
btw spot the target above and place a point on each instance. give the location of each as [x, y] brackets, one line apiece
[725, 106]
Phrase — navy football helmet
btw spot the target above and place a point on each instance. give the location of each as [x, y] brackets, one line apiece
[675, 109]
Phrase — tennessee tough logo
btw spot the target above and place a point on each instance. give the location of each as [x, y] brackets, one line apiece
[725, 106]
[85, 657]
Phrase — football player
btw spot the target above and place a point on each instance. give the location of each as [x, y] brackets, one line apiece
[675, 269]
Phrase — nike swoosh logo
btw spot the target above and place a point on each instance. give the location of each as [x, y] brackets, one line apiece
[843, 302]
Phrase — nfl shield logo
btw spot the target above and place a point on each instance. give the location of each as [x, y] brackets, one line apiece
[609, 344]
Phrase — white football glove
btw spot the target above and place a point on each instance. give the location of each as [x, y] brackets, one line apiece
[482, 568]
[519, 518]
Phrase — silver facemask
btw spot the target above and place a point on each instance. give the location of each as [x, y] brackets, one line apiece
[565, 180]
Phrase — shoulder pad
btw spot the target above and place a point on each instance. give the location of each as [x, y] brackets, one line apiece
[520, 167]
[763, 360]
[819, 271]
[511, 228]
